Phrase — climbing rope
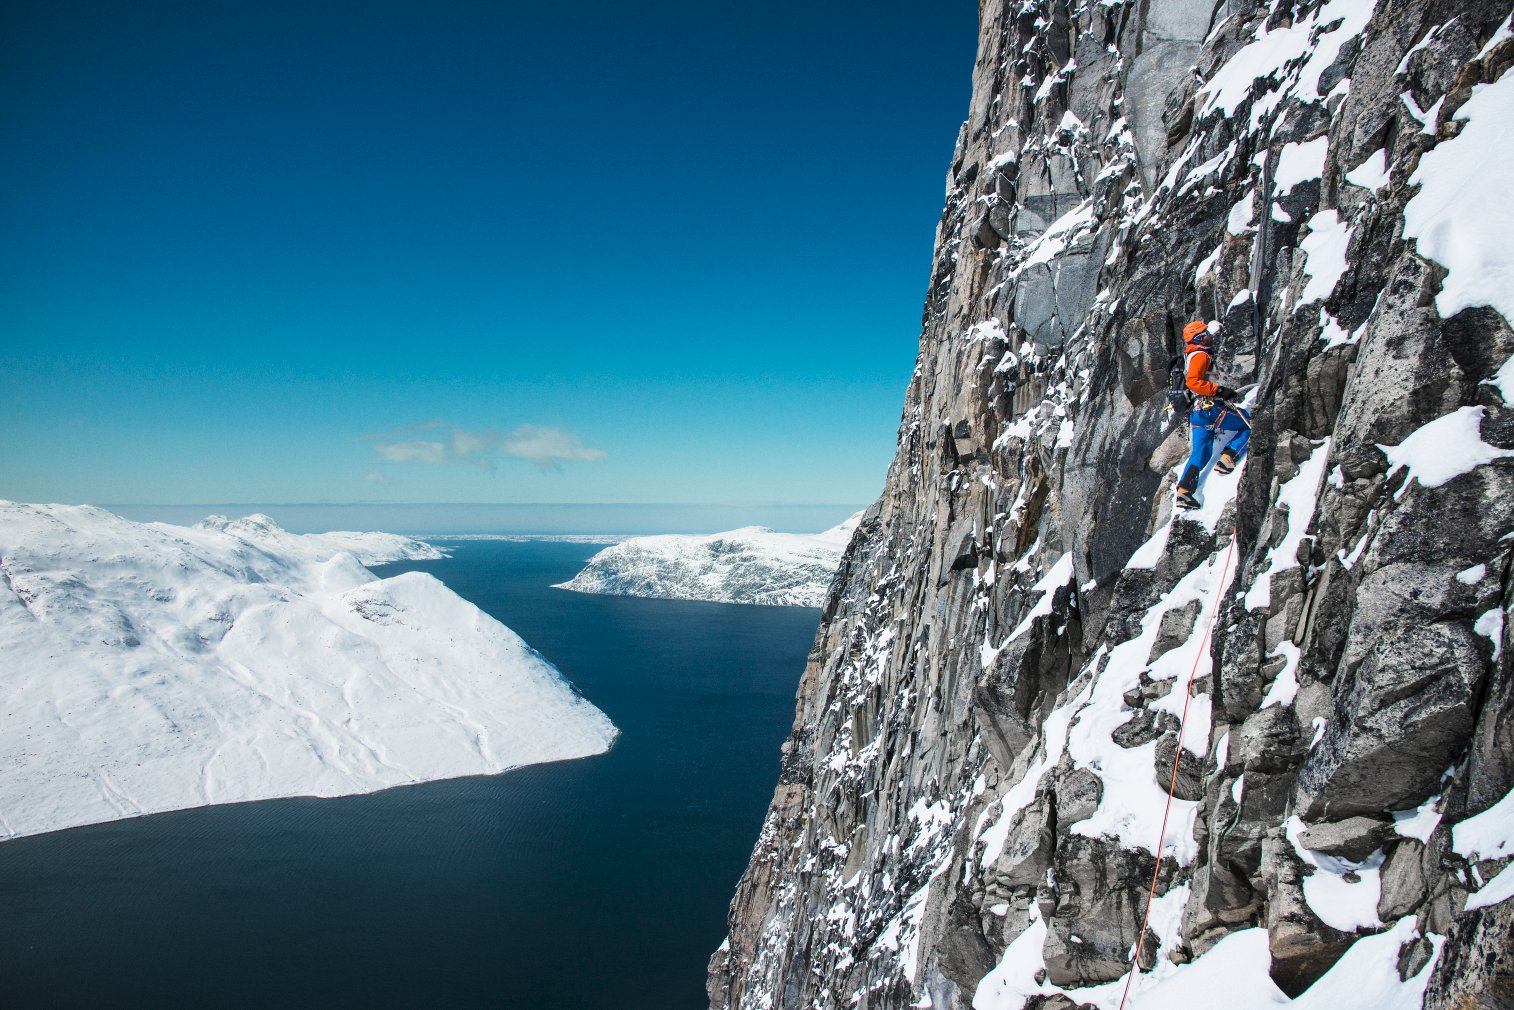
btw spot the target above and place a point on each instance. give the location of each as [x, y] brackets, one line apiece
[1177, 755]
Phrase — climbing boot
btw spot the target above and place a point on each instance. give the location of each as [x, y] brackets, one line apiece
[1186, 488]
[1226, 462]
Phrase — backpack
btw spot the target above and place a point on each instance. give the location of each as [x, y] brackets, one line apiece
[1179, 396]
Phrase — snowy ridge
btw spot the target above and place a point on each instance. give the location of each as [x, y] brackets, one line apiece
[151, 667]
[749, 565]
[368, 548]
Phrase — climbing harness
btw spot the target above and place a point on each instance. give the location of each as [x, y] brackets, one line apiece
[1177, 755]
[1228, 411]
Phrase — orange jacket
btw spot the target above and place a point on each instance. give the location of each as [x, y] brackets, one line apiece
[1198, 367]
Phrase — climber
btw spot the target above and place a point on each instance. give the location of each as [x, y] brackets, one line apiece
[1212, 411]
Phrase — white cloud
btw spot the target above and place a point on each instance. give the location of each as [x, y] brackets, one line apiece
[413, 452]
[539, 444]
[484, 447]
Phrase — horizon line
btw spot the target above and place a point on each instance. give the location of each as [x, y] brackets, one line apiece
[544, 504]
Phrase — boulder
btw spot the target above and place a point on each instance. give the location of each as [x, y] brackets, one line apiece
[1354, 838]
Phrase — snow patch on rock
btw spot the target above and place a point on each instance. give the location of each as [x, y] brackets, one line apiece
[1462, 217]
[1445, 448]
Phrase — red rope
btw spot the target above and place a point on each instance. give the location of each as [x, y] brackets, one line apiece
[1172, 786]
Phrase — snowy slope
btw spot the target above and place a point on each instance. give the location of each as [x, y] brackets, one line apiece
[368, 548]
[151, 667]
[749, 565]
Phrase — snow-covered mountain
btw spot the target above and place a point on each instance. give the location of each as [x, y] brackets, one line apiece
[749, 565]
[151, 667]
[368, 548]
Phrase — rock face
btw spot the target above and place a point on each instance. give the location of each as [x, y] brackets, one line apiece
[1018, 650]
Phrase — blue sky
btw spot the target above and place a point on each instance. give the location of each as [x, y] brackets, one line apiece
[467, 252]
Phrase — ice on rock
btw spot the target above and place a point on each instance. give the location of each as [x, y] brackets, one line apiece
[749, 565]
[152, 667]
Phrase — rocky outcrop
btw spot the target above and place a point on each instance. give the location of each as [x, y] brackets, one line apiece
[1024, 648]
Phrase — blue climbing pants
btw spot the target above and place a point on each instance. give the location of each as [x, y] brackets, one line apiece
[1204, 426]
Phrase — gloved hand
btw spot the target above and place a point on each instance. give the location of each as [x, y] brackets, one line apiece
[1226, 393]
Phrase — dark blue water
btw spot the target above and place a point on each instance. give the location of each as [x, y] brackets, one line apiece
[600, 883]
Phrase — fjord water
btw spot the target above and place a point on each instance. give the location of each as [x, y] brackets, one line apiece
[600, 883]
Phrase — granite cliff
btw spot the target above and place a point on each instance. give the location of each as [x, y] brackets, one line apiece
[969, 810]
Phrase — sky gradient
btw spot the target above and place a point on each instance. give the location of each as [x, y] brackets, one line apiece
[469, 252]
